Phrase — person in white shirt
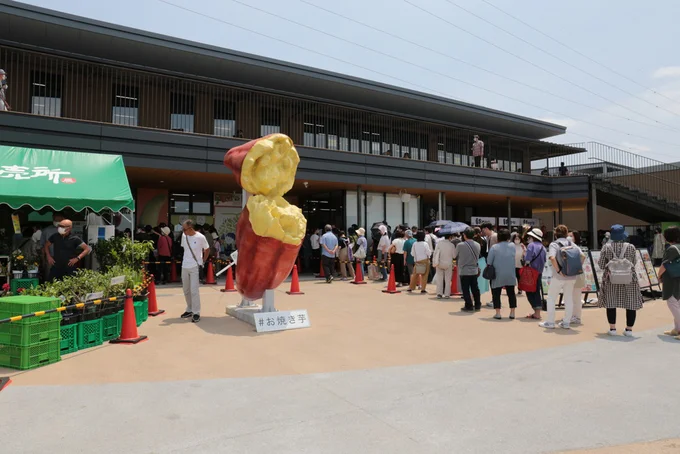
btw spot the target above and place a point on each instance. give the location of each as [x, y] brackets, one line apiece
[383, 250]
[442, 260]
[421, 254]
[398, 258]
[314, 241]
[196, 250]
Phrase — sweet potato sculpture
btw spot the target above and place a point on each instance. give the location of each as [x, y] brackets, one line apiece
[269, 231]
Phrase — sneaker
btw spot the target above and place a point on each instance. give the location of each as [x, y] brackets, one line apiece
[423, 291]
[576, 321]
[330, 279]
[628, 333]
[563, 325]
[447, 297]
[497, 317]
[672, 333]
[195, 318]
[439, 297]
[466, 309]
[490, 304]
[186, 315]
[478, 308]
[612, 332]
[547, 325]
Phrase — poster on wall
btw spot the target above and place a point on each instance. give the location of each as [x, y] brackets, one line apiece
[649, 266]
[228, 199]
[152, 206]
[226, 219]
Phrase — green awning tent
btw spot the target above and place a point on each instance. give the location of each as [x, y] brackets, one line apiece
[63, 179]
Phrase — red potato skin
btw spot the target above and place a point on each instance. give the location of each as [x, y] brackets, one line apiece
[235, 157]
[263, 263]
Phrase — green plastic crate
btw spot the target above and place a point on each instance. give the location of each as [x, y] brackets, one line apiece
[16, 284]
[24, 335]
[90, 334]
[22, 305]
[30, 357]
[69, 339]
[141, 314]
[110, 327]
[145, 310]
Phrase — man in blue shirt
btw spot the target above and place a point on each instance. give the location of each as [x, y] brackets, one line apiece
[329, 246]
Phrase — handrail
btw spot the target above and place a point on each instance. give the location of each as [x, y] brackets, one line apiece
[609, 174]
[589, 145]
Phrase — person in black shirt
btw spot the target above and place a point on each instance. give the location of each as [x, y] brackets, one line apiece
[68, 251]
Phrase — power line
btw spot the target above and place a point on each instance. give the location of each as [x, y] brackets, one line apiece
[530, 62]
[481, 68]
[388, 55]
[579, 53]
[451, 2]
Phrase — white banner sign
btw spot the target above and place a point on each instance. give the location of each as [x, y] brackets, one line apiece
[514, 222]
[531, 221]
[479, 220]
[280, 321]
[94, 296]
[117, 280]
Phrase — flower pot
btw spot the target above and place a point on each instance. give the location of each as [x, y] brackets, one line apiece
[17, 274]
[33, 274]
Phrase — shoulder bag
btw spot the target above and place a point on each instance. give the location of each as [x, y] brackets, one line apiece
[672, 267]
[528, 277]
[200, 264]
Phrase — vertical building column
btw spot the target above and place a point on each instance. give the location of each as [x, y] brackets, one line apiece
[593, 216]
[560, 217]
[509, 214]
[360, 213]
[441, 206]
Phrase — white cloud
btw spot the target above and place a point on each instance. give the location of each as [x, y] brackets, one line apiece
[666, 71]
[634, 147]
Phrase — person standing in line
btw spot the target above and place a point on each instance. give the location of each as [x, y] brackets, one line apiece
[196, 250]
[577, 295]
[421, 254]
[671, 285]
[622, 296]
[68, 249]
[520, 250]
[383, 250]
[408, 246]
[398, 258]
[316, 247]
[491, 238]
[535, 257]
[659, 247]
[502, 258]
[431, 240]
[344, 257]
[607, 238]
[329, 245]
[361, 249]
[442, 260]
[164, 255]
[560, 282]
[467, 260]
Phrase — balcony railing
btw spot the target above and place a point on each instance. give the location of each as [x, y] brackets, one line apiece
[75, 88]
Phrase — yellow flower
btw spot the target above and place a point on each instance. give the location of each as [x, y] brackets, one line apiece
[20, 257]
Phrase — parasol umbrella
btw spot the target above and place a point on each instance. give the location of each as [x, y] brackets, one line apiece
[452, 227]
[438, 223]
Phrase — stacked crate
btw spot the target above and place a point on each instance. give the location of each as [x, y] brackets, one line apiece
[30, 342]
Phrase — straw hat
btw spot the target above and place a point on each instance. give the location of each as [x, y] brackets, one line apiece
[361, 231]
[536, 233]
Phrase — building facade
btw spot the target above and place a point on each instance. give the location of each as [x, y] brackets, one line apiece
[172, 108]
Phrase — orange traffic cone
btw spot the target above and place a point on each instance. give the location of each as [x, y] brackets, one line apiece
[391, 283]
[229, 283]
[153, 304]
[455, 291]
[173, 271]
[295, 283]
[321, 274]
[4, 382]
[128, 332]
[209, 274]
[358, 275]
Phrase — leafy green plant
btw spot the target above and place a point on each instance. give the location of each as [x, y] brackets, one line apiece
[121, 251]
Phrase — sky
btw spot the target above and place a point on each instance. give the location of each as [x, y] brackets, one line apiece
[469, 50]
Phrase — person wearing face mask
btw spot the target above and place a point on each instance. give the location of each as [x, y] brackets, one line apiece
[535, 257]
[47, 232]
[69, 250]
[520, 250]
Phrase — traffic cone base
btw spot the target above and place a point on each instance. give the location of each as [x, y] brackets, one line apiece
[4, 382]
[358, 275]
[209, 274]
[295, 283]
[229, 282]
[391, 283]
[173, 271]
[153, 302]
[128, 330]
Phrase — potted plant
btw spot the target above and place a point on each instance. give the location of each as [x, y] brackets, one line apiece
[33, 269]
[18, 262]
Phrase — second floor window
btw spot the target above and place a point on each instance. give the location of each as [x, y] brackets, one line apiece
[224, 119]
[125, 109]
[46, 94]
[271, 121]
[182, 112]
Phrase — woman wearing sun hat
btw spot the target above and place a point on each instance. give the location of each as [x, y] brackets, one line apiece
[619, 296]
[535, 257]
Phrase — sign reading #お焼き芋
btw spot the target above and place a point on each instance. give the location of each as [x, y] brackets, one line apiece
[280, 321]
